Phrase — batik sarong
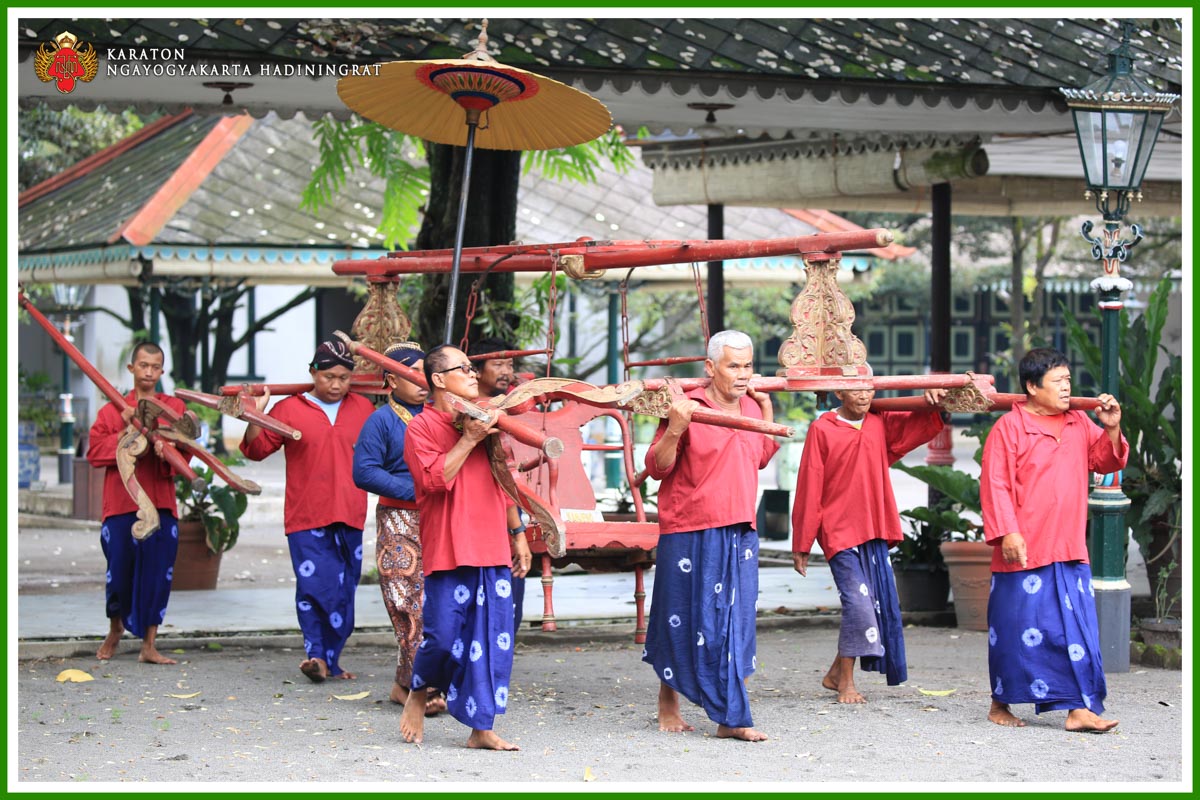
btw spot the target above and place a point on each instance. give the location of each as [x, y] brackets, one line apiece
[467, 649]
[700, 638]
[328, 564]
[137, 584]
[398, 559]
[1043, 638]
[872, 630]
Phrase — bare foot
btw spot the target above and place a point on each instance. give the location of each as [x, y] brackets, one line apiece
[412, 721]
[108, 648]
[150, 655]
[840, 679]
[1081, 720]
[488, 740]
[398, 694]
[669, 718]
[745, 734]
[345, 676]
[1000, 715]
[849, 694]
[314, 669]
[435, 706]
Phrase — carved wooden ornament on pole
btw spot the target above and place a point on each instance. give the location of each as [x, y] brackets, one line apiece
[822, 353]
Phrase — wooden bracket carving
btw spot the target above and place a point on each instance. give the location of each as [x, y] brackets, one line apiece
[381, 323]
[131, 445]
[822, 344]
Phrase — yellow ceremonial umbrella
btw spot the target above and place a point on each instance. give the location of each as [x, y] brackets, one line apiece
[474, 101]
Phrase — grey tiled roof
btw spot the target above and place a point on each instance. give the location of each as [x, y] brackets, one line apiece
[1034, 52]
[252, 197]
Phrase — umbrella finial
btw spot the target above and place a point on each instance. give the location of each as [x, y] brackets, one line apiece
[480, 52]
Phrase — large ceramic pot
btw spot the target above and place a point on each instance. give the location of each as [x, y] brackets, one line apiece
[195, 566]
[922, 587]
[1164, 631]
[970, 568]
[29, 457]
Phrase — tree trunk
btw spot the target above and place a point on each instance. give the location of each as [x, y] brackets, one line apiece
[1016, 303]
[183, 319]
[491, 219]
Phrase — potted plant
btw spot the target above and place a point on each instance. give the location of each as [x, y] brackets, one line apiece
[922, 582]
[1151, 420]
[966, 555]
[1163, 629]
[208, 526]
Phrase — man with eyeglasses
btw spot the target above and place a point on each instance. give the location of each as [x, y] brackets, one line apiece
[323, 511]
[468, 560]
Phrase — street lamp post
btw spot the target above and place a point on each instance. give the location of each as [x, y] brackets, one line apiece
[68, 297]
[1117, 119]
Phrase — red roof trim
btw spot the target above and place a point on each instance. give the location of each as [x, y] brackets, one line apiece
[82, 168]
[142, 227]
[828, 222]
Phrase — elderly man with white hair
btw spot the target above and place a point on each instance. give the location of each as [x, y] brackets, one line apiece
[701, 634]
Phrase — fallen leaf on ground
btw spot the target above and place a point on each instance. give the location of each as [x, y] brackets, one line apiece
[356, 696]
[214, 646]
[184, 696]
[931, 708]
[937, 692]
[74, 676]
[588, 775]
[177, 650]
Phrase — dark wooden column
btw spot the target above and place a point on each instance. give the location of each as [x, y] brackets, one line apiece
[716, 271]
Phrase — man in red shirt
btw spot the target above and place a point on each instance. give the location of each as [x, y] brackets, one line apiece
[496, 379]
[323, 511]
[700, 637]
[468, 559]
[845, 502]
[138, 580]
[1043, 638]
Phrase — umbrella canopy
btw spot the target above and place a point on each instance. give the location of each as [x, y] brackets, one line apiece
[516, 109]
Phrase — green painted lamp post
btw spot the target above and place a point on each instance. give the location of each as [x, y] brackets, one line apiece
[1117, 119]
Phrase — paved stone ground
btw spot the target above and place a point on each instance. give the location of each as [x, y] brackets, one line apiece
[582, 709]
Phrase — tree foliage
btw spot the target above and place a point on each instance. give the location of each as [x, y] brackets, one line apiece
[421, 201]
[51, 140]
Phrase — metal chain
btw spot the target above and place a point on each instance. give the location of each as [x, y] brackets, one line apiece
[623, 289]
[472, 301]
[552, 309]
[700, 300]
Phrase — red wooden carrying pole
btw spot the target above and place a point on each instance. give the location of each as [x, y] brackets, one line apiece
[550, 445]
[248, 413]
[510, 354]
[1000, 402]
[879, 382]
[605, 255]
[170, 454]
[366, 384]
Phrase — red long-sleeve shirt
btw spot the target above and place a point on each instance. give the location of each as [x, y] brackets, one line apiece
[320, 464]
[844, 493]
[1036, 484]
[464, 521]
[714, 480]
[153, 473]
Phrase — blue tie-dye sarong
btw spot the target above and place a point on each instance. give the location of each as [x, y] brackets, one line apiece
[872, 629]
[701, 638]
[1043, 640]
[137, 584]
[467, 651]
[328, 563]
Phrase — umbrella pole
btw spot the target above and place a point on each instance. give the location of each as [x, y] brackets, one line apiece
[472, 122]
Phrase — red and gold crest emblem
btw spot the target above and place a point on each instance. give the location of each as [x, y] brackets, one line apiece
[64, 61]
